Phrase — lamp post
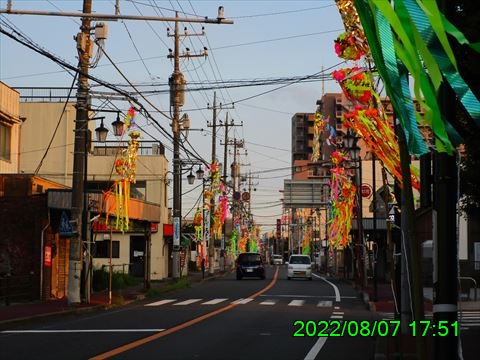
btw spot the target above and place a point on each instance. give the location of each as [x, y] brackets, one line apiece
[199, 175]
[350, 141]
[101, 133]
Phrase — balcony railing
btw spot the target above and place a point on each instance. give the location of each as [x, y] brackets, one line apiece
[112, 148]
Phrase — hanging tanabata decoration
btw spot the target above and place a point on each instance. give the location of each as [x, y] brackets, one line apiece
[319, 124]
[342, 203]
[126, 166]
[369, 119]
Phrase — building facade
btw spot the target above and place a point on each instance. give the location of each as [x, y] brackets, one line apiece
[46, 149]
[10, 123]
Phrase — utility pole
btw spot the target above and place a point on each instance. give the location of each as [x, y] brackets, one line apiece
[84, 45]
[177, 99]
[445, 199]
[235, 171]
[225, 158]
[211, 243]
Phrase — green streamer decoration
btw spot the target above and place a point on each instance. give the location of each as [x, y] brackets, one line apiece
[412, 39]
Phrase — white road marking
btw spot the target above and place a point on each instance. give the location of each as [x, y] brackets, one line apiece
[242, 301]
[296, 303]
[268, 302]
[78, 331]
[161, 302]
[324, 303]
[335, 288]
[214, 301]
[336, 317]
[312, 354]
[187, 302]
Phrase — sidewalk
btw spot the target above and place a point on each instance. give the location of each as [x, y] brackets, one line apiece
[20, 312]
[405, 346]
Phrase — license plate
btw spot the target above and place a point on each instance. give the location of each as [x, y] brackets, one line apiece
[249, 270]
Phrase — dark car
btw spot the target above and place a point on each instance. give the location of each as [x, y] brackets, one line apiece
[250, 265]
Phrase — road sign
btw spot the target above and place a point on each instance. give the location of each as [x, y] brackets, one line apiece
[176, 231]
[367, 190]
[65, 228]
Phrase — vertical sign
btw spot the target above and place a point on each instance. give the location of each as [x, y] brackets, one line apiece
[279, 225]
[176, 231]
[47, 257]
[206, 223]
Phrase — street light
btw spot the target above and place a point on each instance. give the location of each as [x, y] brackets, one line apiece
[190, 178]
[200, 173]
[101, 134]
[101, 131]
[350, 142]
[118, 126]
[205, 232]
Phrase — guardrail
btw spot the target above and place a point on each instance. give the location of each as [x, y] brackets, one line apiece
[460, 278]
[105, 267]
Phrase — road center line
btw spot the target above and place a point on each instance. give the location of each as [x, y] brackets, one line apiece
[184, 325]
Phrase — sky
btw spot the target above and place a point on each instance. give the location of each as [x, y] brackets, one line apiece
[277, 42]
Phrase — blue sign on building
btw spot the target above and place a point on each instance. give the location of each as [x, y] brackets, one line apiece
[65, 228]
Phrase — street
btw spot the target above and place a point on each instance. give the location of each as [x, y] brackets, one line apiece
[220, 319]
[225, 318]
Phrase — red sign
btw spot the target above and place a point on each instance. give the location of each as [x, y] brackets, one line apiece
[366, 191]
[167, 229]
[47, 256]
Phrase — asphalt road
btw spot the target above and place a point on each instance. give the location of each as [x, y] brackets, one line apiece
[218, 319]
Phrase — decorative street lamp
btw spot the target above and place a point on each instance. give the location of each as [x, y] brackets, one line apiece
[200, 173]
[190, 178]
[350, 142]
[118, 126]
[101, 131]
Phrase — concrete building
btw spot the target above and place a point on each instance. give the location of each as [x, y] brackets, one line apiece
[10, 123]
[36, 163]
[46, 148]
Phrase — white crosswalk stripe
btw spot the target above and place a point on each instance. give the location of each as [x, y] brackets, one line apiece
[187, 302]
[214, 301]
[324, 303]
[242, 301]
[296, 303]
[469, 318]
[268, 302]
[466, 318]
[161, 302]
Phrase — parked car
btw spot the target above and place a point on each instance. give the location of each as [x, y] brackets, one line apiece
[299, 266]
[277, 259]
[250, 265]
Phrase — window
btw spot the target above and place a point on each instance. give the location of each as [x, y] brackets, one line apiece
[101, 249]
[5, 138]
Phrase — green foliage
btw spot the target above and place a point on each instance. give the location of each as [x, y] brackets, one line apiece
[172, 285]
[119, 280]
